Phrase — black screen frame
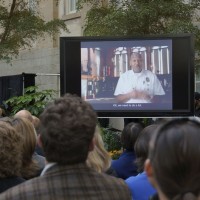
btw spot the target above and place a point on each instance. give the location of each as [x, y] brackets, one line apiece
[182, 74]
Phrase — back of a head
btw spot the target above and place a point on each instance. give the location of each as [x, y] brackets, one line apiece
[99, 159]
[175, 158]
[142, 145]
[10, 151]
[24, 114]
[6, 119]
[130, 134]
[24, 127]
[36, 123]
[67, 128]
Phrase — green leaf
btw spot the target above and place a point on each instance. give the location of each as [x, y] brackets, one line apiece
[20, 27]
[32, 100]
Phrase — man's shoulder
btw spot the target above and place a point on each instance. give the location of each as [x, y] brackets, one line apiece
[66, 181]
[113, 184]
[127, 73]
[135, 179]
[106, 179]
[148, 72]
[27, 187]
[111, 179]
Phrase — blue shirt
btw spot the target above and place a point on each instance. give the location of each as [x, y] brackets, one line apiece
[140, 187]
[125, 166]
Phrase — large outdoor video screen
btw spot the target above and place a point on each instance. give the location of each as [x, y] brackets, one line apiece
[131, 77]
[104, 63]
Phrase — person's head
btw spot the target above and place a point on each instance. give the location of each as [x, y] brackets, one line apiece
[10, 151]
[36, 123]
[99, 159]
[136, 62]
[142, 146]
[24, 127]
[67, 129]
[174, 159]
[130, 134]
[24, 114]
[6, 119]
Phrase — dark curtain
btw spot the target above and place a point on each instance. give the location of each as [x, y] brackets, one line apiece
[103, 122]
[14, 85]
[29, 79]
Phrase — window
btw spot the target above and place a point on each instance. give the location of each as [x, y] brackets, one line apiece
[32, 5]
[72, 6]
[69, 10]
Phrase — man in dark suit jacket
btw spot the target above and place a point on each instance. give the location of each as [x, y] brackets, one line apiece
[67, 130]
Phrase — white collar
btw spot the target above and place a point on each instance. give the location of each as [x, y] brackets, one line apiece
[138, 73]
[47, 166]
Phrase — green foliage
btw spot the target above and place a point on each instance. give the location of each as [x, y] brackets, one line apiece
[111, 139]
[32, 100]
[21, 25]
[112, 142]
[143, 17]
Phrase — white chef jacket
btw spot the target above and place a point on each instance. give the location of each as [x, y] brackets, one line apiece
[143, 81]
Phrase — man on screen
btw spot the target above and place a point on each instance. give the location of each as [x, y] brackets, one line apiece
[137, 85]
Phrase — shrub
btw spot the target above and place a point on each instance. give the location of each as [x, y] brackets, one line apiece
[112, 141]
[33, 100]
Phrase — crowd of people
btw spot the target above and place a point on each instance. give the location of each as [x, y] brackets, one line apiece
[61, 155]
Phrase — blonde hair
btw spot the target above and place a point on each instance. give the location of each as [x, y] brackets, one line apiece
[36, 123]
[10, 151]
[24, 127]
[99, 159]
[24, 114]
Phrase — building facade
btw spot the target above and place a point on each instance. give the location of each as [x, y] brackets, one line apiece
[43, 58]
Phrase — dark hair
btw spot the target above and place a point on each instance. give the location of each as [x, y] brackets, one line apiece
[196, 95]
[175, 157]
[67, 128]
[142, 146]
[130, 134]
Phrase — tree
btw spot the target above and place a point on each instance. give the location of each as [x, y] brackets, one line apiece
[143, 17]
[20, 25]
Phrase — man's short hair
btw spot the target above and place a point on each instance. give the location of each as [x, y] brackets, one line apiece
[136, 54]
[67, 128]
